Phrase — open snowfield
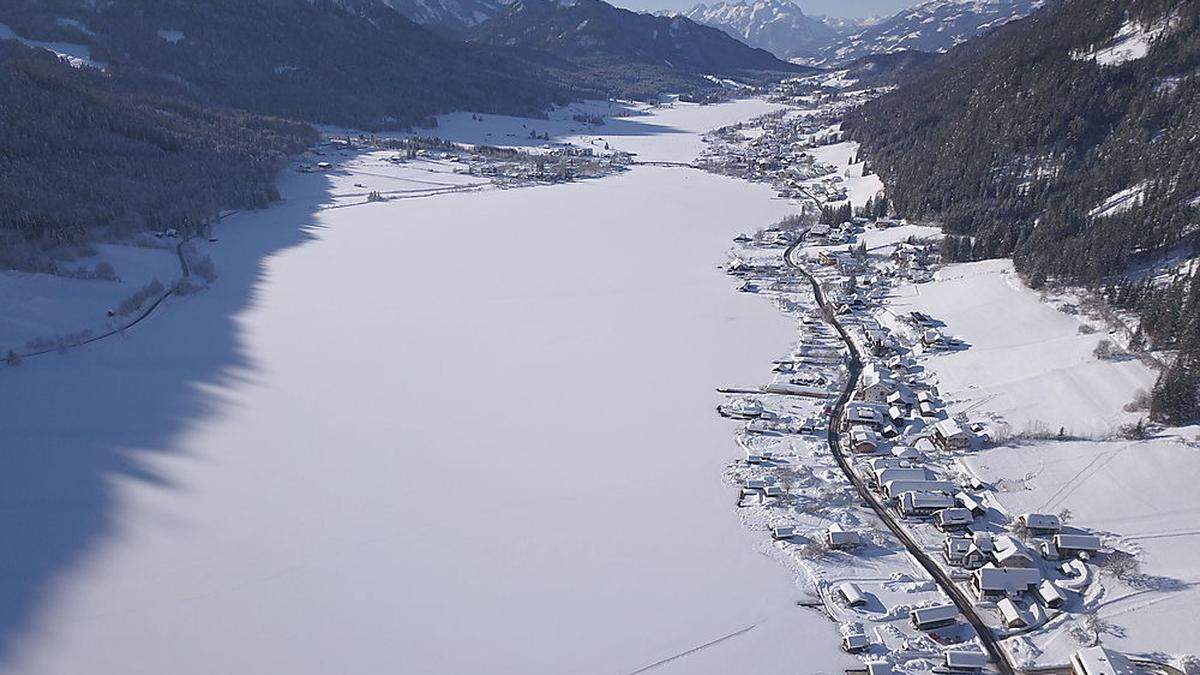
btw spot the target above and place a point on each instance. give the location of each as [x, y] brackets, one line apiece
[859, 188]
[44, 306]
[464, 433]
[1027, 362]
[1139, 496]
[667, 134]
[1027, 366]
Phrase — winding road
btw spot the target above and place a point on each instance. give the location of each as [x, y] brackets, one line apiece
[964, 604]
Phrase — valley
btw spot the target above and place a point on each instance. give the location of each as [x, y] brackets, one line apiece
[478, 336]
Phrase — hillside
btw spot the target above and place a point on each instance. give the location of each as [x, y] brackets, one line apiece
[932, 26]
[453, 17]
[887, 68]
[1067, 141]
[81, 154]
[608, 43]
[348, 62]
[778, 26]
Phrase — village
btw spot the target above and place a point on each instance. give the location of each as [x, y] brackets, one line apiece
[504, 167]
[1020, 572]
[852, 465]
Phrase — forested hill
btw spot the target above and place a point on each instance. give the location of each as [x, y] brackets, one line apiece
[1067, 140]
[128, 114]
[349, 62]
[78, 153]
[610, 45]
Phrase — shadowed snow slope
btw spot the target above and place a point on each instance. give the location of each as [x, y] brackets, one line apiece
[449, 435]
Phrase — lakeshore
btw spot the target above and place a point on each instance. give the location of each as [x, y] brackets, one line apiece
[394, 430]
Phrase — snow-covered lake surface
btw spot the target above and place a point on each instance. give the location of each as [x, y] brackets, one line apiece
[468, 433]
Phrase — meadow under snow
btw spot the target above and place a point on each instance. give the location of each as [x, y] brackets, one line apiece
[1030, 369]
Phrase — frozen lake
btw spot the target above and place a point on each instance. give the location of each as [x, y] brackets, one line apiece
[464, 434]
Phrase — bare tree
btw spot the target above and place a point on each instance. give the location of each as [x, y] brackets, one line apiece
[1120, 565]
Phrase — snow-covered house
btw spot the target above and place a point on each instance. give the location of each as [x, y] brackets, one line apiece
[960, 661]
[952, 519]
[863, 439]
[892, 489]
[862, 414]
[984, 542]
[839, 538]
[920, 504]
[875, 387]
[1010, 553]
[1040, 523]
[1050, 594]
[991, 583]
[855, 641]
[782, 532]
[932, 338]
[879, 668]
[1012, 615]
[1074, 545]
[1100, 661]
[948, 435]
[882, 474]
[928, 618]
[899, 365]
[852, 593]
[962, 552]
[971, 503]
[902, 397]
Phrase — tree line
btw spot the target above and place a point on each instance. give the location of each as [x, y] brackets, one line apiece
[1015, 141]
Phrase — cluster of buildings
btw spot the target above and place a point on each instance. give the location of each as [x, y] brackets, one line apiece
[552, 164]
[903, 449]
[778, 151]
[1020, 570]
[895, 431]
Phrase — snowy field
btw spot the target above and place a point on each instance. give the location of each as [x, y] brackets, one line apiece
[45, 306]
[465, 433]
[671, 133]
[1139, 497]
[1026, 362]
[859, 188]
[1027, 366]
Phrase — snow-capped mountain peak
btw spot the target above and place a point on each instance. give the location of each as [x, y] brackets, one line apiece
[778, 26]
[932, 26]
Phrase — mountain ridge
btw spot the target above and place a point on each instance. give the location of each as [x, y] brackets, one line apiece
[1029, 142]
[779, 26]
[932, 26]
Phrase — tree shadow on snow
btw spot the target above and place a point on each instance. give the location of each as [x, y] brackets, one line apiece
[77, 424]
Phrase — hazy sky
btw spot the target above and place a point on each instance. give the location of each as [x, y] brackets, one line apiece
[855, 8]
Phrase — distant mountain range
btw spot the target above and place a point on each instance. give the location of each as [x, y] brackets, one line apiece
[596, 29]
[617, 49]
[933, 26]
[778, 26]
[782, 27]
